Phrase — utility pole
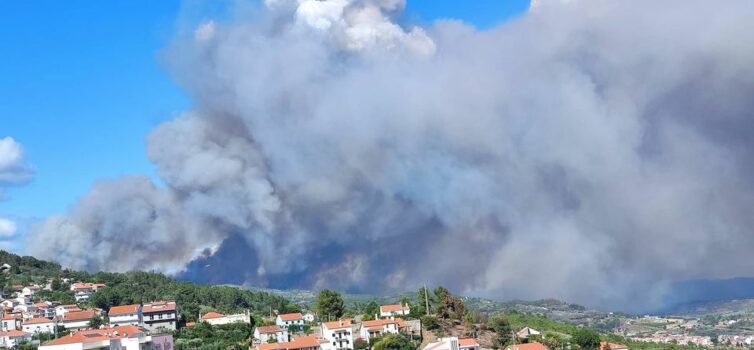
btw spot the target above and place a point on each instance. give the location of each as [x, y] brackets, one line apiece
[513, 334]
[426, 298]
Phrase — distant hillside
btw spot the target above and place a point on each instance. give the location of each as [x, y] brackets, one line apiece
[549, 308]
[703, 296]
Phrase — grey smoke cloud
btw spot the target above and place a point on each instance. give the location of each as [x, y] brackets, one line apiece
[593, 151]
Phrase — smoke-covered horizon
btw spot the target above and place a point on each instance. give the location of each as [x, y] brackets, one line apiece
[592, 151]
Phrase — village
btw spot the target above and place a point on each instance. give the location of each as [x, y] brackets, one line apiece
[732, 331]
[48, 325]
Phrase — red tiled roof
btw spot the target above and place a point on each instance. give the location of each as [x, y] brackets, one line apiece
[159, 306]
[123, 309]
[380, 323]
[12, 316]
[528, 346]
[70, 307]
[38, 320]
[96, 335]
[212, 315]
[392, 308]
[337, 324]
[78, 315]
[269, 329]
[465, 342]
[14, 333]
[291, 317]
[298, 343]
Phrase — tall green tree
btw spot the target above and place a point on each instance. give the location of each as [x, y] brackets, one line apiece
[329, 305]
[586, 339]
[423, 297]
[393, 342]
[370, 310]
[502, 329]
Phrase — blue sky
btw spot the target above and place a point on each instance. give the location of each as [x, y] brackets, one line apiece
[82, 84]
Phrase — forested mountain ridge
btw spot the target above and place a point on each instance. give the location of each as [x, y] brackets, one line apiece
[137, 287]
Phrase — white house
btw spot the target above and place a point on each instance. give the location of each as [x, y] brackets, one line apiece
[394, 310]
[310, 317]
[294, 319]
[160, 315]
[11, 322]
[216, 319]
[61, 310]
[125, 315]
[276, 333]
[339, 335]
[29, 291]
[9, 303]
[115, 338]
[12, 338]
[38, 325]
[26, 308]
[453, 343]
[375, 328]
[82, 296]
[76, 320]
[527, 332]
[86, 287]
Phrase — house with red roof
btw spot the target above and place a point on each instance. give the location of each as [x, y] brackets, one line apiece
[339, 334]
[453, 343]
[375, 328]
[527, 346]
[61, 310]
[160, 315]
[11, 339]
[77, 319]
[38, 325]
[124, 315]
[309, 342]
[11, 321]
[394, 310]
[274, 333]
[118, 337]
[292, 319]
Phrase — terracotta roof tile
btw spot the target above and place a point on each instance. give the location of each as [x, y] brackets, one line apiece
[291, 317]
[269, 329]
[212, 315]
[124, 309]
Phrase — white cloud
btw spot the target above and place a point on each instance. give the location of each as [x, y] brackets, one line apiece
[7, 228]
[13, 170]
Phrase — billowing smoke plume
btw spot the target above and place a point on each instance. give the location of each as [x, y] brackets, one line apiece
[591, 150]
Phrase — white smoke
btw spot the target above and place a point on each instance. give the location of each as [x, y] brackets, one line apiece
[593, 152]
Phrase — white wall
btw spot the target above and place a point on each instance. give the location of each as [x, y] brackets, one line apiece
[39, 328]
